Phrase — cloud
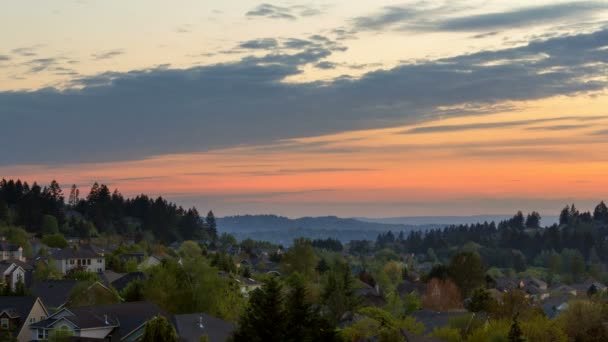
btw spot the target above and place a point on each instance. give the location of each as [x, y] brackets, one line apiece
[263, 44]
[421, 17]
[270, 11]
[164, 110]
[40, 64]
[504, 124]
[107, 54]
[4, 58]
[28, 51]
[558, 127]
[326, 65]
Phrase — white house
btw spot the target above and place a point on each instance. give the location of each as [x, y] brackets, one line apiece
[10, 251]
[82, 257]
[11, 274]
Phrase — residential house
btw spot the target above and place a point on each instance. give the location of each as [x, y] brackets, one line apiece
[11, 251]
[554, 305]
[533, 281]
[150, 261]
[110, 323]
[17, 313]
[191, 327]
[83, 257]
[58, 293]
[11, 275]
[122, 282]
[247, 285]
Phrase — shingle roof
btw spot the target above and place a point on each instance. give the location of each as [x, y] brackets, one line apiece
[84, 251]
[18, 305]
[189, 329]
[8, 247]
[54, 293]
[122, 282]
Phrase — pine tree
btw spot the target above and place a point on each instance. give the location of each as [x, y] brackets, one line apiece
[264, 319]
[212, 224]
[515, 333]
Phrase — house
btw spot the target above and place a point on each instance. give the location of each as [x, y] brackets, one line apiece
[17, 313]
[408, 287]
[82, 257]
[507, 284]
[60, 293]
[150, 261]
[247, 285]
[11, 251]
[122, 282]
[533, 281]
[191, 327]
[11, 275]
[110, 322]
[553, 306]
[563, 290]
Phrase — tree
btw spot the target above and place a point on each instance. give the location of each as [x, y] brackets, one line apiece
[190, 249]
[211, 224]
[134, 291]
[564, 216]
[303, 321]
[533, 220]
[73, 198]
[159, 329]
[600, 213]
[441, 295]
[55, 241]
[338, 293]
[4, 213]
[515, 333]
[300, 258]
[50, 224]
[481, 301]
[264, 319]
[467, 271]
[583, 321]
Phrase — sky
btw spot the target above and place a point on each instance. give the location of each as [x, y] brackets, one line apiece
[309, 108]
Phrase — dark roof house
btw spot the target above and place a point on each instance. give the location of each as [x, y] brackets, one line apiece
[191, 327]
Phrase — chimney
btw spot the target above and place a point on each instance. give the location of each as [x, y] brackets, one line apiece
[200, 322]
[105, 318]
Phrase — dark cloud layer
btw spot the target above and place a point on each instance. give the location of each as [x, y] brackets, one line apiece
[121, 116]
[418, 18]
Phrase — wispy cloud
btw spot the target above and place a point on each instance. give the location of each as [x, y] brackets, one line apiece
[107, 54]
[270, 11]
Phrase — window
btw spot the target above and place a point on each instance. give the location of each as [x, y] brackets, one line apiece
[32, 320]
[43, 334]
[4, 323]
[88, 261]
[71, 261]
[42, 318]
[99, 261]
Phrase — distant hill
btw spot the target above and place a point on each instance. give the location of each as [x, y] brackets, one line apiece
[283, 230]
[448, 220]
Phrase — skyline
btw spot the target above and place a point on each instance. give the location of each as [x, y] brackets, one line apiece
[360, 108]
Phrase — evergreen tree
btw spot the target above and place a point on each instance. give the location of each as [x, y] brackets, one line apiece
[304, 323]
[264, 319]
[533, 220]
[600, 213]
[515, 333]
[211, 224]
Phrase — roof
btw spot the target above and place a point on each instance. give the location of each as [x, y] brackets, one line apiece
[54, 293]
[189, 329]
[127, 317]
[110, 276]
[84, 251]
[20, 306]
[8, 247]
[122, 282]
[433, 319]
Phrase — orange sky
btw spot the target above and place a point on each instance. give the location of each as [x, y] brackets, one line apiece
[558, 156]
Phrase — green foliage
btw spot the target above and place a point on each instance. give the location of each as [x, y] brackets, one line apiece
[584, 321]
[515, 333]
[338, 293]
[265, 317]
[190, 249]
[49, 225]
[541, 329]
[481, 301]
[467, 271]
[55, 241]
[300, 258]
[46, 270]
[193, 286]
[446, 334]
[88, 293]
[494, 331]
[82, 275]
[60, 335]
[134, 291]
[159, 329]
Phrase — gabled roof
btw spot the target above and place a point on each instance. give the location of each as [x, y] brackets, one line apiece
[189, 327]
[122, 282]
[8, 247]
[82, 252]
[18, 306]
[54, 293]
